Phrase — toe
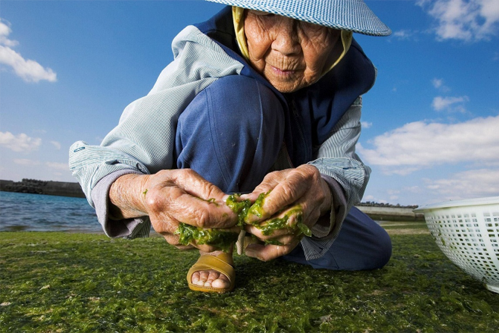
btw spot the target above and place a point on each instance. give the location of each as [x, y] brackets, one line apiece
[212, 276]
[203, 277]
[195, 277]
[220, 284]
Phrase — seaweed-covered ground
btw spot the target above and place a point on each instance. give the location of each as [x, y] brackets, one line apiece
[61, 282]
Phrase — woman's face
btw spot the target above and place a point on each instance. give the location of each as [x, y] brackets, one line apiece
[291, 54]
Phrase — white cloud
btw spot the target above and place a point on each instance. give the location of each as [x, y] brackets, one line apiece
[467, 184]
[25, 161]
[28, 70]
[448, 103]
[4, 33]
[420, 145]
[368, 198]
[56, 144]
[58, 166]
[19, 143]
[413, 189]
[468, 20]
[453, 104]
[373, 198]
[403, 34]
[437, 83]
[393, 192]
[366, 125]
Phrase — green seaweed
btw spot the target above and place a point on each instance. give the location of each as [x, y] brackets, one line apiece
[189, 234]
[220, 239]
[244, 210]
[212, 201]
[63, 282]
[256, 208]
[269, 227]
[239, 207]
[272, 242]
[299, 227]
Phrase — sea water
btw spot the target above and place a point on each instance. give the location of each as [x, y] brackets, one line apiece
[37, 212]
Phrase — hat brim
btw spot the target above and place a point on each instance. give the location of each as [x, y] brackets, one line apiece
[351, 15]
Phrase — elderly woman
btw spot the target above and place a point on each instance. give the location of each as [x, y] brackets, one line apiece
[262, 98]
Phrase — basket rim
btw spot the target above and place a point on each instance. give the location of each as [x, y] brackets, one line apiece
[459, 203]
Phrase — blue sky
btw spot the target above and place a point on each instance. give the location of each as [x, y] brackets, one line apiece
[430, 124]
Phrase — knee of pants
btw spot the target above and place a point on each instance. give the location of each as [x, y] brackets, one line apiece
[238, 103]
[231, 133]
[361, 245]
[375, 255]
[377, 245]
[384, 253]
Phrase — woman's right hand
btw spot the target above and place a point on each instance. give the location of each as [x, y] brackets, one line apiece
[170, 197]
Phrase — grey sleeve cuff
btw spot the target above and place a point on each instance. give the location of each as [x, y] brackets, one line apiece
[330, 225]
[326, 230]
[129, 228]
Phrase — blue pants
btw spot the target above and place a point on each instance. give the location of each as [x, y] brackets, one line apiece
[231, 134]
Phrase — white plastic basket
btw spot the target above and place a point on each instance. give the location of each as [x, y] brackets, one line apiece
[467, 232]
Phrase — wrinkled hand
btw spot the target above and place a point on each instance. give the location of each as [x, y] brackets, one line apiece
[170, 197]
[302, 187]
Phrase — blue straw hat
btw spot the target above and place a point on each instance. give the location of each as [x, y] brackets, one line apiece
[351, 15]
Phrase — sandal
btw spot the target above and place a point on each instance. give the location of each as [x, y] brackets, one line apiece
[218, 263]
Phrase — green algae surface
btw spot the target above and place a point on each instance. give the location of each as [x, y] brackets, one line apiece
[61, 282]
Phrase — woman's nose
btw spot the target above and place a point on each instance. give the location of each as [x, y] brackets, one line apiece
[286, 37]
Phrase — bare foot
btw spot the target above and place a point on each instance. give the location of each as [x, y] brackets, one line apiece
[211, 278]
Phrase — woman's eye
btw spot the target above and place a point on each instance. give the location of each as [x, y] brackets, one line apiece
[310, 26]
[260, 13]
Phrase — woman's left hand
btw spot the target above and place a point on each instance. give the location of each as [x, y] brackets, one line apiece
[298, 193]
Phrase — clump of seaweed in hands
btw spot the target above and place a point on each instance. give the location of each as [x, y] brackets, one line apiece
[244, 209]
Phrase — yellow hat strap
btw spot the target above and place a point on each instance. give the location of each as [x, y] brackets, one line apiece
[238, 18]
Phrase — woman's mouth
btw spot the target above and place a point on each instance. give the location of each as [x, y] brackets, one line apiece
[283, 72]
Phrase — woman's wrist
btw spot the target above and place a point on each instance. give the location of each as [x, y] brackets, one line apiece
[127, 196]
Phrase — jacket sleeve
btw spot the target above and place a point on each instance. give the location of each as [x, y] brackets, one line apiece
[336, 157]
[346, 176]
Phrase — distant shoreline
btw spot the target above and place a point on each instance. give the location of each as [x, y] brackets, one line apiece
[33, 186]
[391, 213]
